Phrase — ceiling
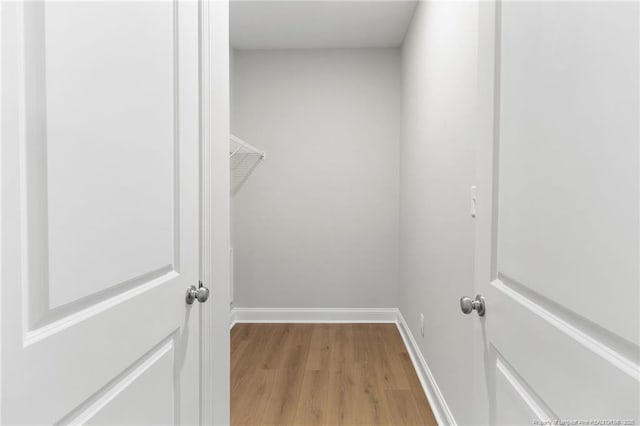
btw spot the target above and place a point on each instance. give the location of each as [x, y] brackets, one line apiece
[319, 23]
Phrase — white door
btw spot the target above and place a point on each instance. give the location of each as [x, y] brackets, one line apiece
[560, 241]
[99, 212]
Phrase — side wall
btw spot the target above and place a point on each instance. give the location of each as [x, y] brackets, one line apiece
[317, 224]
[439, 61]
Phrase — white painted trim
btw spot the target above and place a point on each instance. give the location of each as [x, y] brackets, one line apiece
[438, 404]
[215, 220]
[2, 211]
[536, 406]
[314, 315]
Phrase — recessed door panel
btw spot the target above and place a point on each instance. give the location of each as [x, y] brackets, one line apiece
[110, 142]
[99, 148]
[569, 107]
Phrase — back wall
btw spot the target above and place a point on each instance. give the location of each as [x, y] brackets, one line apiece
[317, 223]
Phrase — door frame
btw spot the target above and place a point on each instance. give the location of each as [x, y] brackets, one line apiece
[486, 181]
[214, 212]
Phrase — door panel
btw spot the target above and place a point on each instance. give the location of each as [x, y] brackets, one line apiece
[562, 322]
[106, 105]
[569, 156]
[99, 212]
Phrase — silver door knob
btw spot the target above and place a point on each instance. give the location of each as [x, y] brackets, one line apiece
[201, 294]
[467, 305]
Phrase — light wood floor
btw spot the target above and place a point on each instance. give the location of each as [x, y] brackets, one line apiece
[324, 374]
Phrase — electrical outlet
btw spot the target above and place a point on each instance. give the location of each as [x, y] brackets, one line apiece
[422, 324]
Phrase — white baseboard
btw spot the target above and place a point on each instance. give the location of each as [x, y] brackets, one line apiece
[438, 404]
[380, 315]
[314, 315]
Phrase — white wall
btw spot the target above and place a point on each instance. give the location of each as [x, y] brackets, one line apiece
[439, 59]
[317, 223]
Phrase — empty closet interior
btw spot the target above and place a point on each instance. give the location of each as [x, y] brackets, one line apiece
[351, 169]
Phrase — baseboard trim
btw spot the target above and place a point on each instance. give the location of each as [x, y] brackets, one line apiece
[314, 315]
[438, 404]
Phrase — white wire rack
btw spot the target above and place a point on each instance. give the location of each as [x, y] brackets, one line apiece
[244, 158]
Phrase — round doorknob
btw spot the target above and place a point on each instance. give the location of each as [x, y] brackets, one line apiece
[201, 294]
[467, 305]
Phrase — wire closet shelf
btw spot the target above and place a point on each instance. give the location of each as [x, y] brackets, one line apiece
[243, 158]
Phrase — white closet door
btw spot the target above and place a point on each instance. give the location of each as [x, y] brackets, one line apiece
[99, 212]
[562, 326]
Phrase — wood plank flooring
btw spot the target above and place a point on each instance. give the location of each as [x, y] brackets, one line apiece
[324, 374]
